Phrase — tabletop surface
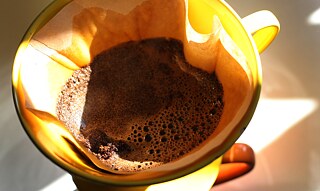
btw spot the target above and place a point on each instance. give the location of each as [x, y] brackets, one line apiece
[284, 131]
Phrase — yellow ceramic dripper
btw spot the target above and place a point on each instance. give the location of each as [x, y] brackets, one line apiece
[57, 144]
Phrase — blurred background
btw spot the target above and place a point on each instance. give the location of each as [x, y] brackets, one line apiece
[284, 131]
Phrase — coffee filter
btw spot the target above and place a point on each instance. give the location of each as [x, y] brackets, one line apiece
[83, 29]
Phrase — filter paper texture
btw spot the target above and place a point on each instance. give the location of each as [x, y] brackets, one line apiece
[83, 29]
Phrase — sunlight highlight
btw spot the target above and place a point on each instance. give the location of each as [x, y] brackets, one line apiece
[314, 18]
[62, 183]
[274, 117]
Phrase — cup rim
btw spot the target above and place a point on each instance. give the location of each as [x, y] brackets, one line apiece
[43, 18]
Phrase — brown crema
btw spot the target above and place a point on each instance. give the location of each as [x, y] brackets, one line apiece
[141, 104]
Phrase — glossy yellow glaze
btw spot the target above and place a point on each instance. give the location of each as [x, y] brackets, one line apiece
[59, 146]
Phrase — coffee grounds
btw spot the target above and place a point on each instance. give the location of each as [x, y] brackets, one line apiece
[140, 104]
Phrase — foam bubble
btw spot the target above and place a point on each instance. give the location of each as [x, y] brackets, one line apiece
[157, 112]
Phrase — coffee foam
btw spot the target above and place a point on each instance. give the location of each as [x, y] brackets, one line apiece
[142, 104]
